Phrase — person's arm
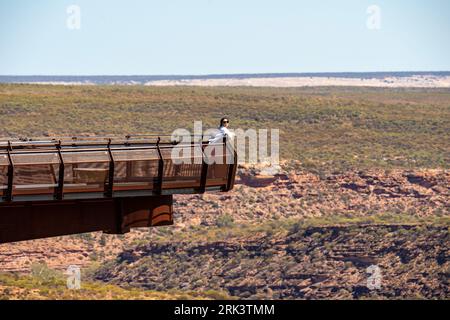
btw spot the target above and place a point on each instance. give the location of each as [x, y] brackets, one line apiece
[228, 133]
[217, 138]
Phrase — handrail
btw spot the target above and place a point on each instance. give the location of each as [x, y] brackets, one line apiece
[89, 140]
[105, 149]
[156, 135]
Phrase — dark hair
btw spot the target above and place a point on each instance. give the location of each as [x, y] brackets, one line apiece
[222, 120]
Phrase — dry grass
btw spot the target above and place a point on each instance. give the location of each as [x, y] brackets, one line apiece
[322, 127]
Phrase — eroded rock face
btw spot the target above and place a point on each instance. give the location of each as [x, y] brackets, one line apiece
[19, 256]
[304, 194]
[61, 252]
[319, 262]
[313, 263]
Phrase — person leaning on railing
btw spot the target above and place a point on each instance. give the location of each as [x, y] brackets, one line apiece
[222, 132]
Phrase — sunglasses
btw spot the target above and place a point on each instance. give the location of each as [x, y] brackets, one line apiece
[226, 121]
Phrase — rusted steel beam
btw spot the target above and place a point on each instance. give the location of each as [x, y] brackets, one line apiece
[27, 221]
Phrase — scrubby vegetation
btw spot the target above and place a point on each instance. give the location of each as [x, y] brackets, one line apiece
[356, 190]
[294, 261]
[44, 283]
[321, 127]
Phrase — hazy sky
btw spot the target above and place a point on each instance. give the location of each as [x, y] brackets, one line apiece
[135, 37]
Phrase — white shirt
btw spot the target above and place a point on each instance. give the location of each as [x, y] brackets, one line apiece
[221, 133]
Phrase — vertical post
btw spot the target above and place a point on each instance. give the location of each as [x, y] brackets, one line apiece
[110, 185]
[204, 173]
[158, 186]
[60, 188]
[129, 168]
[232, 167]
[127, 142]
[224, 150]
[9, 190]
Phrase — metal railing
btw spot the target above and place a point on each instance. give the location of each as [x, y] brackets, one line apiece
[98, 167]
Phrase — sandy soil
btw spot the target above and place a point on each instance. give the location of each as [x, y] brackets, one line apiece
[391, 82]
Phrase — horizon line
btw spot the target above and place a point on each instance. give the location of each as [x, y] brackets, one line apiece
[223, 74]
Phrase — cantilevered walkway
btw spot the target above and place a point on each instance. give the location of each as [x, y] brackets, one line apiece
[61, 186]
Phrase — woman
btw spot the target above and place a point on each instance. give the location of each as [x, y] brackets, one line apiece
[222, 132]
[218, 157]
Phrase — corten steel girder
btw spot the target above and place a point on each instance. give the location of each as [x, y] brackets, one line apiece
[34, 220]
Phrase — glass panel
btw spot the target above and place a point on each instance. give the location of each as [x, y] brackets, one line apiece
[135, 169]
[3, 178]
[218, 168]
[35, 173]
[35, 179]
[3, 172]
[85, 171]
[4, 160]
[182, 167]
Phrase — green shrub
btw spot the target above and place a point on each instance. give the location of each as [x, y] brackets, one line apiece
[224, 221]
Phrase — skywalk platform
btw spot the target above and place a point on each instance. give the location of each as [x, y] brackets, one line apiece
[67, 185]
